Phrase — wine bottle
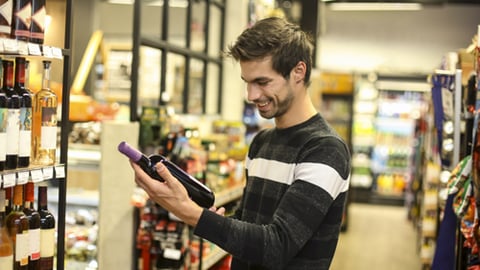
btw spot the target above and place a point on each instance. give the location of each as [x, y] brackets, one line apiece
[47, 230]
[13, 116]
[44, 124]
[199, 193]
[25, 136]
[3, 129]
[6, 245]
[34, 227]
[37, 27]
[6, 8]
[17, 225]
[8, 200]
[22, 15]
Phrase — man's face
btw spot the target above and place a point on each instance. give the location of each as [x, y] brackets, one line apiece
[268, 90]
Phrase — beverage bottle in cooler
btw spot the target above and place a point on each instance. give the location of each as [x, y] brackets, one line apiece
[17, 225]
[13, 116]
[47, 230]
[6, 245]
[25, 133]
[44, 123]
[34, 227]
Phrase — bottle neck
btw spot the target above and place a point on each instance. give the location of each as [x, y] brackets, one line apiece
[2, 205]
[20, 73]
[27, 75]
[8, 74]
[29, 193]
[46, 75]
[42, 198]
[18, 197]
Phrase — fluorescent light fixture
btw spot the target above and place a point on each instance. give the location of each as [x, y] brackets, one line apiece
[360, 6]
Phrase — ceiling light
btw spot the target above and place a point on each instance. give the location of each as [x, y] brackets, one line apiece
[344, 6]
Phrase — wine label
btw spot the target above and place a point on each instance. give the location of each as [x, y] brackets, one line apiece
[25, 118]
[34, 235]
[49, 137]
[47, 242]
[6, 262]
[13, 129]
[22, 248]
[25, 144]
[3, 146]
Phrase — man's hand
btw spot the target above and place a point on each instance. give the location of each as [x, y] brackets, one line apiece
[170, 194]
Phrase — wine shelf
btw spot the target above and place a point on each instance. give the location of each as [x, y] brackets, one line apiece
[36, 174]
[18, 47]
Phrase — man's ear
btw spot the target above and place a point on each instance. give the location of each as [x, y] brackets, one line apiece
[299, 71]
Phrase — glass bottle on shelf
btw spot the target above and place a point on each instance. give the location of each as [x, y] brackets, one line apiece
[44, 124]
[47, 230]
[6, 9]
[37, 26]
[22, 13]
[13, 116]
[34, 227]
[6, 245]
[8, 200]
[3, 128]
[17, 225]
[25, 136]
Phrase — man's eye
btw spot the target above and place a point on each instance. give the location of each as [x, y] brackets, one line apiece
[262, 83]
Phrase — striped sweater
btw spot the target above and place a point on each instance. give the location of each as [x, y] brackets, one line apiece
[292, 205]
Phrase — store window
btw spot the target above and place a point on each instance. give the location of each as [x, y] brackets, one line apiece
[183, 44]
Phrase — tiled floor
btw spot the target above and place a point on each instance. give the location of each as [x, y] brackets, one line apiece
[377, 238]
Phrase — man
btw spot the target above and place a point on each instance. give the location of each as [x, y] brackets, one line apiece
[297, 172]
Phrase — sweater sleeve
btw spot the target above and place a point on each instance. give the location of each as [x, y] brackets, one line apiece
[272, 245]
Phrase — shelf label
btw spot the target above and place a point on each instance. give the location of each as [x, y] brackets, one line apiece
[34, 49]
[57, 53]
[22, 47]
[172, 254]
[60, 171]
[47, 51]
[1, 45]
[10, 45]
[9, 179]
[37, 175]
[47, 173]
[23, 177]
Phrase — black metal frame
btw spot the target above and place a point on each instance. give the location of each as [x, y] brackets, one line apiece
[168, 48]
[64, 133]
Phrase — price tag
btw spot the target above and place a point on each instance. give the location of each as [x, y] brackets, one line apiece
[23, 177]
[9, 180]
[10, 45]
[57, 53]
[22, 47]
[60, 171]
[34, 49]
[173, 254]
[47, 173]
[37, 175]
[47, 51]
[1, 45]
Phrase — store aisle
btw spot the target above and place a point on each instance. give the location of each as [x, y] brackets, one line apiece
[377, 238]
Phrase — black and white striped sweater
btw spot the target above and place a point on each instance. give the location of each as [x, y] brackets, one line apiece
[292, 205]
